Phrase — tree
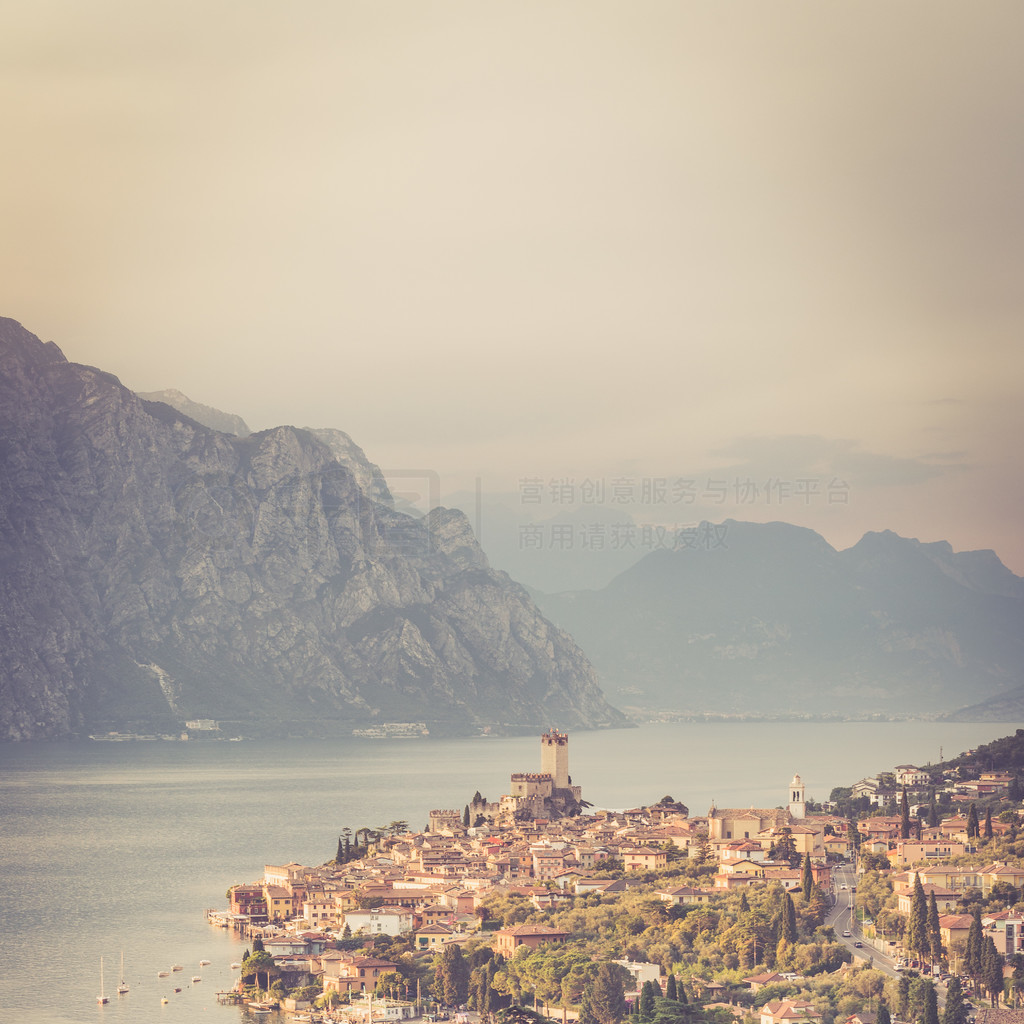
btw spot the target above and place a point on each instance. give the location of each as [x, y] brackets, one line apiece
[934, 931]
[992, 970]
[784, 847]
[955, 1012]
[465, 817]
[258, 962]
[917, 925]
[904, 815]
[988, 822]
[516, 1014]
[645, 1004]
[670, 987]
[607, 1000]
[884, 1017]
[931, 1005]
[451, 976]
[807, 877]
[973, 953]
[339, 857]
[257, 946]
[973, 829]
[933, 812]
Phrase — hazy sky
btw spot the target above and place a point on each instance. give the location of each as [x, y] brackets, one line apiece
[723, 241]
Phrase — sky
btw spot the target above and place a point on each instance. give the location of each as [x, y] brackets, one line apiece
[730, 258]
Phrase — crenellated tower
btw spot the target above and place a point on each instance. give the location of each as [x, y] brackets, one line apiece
[554, 757]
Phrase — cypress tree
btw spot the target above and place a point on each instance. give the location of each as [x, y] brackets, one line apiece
[933, 812]
[904, 815]
[973, 952]
[465, 817]
[992, 970]
[917, 926]
[931, 1005]
[646, 1002]
[934, 931]
[955, 1012]
[988, 822]
[670, 988]
[972, 823]
[807, 877]
[884, 1016]
[340, 855]
[257, 945]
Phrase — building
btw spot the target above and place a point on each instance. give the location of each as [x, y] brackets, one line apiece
[508, 940]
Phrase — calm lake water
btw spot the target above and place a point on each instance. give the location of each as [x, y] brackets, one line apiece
[111, 847]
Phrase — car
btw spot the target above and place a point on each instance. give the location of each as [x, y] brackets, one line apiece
[843, 886]
[859, 945]
[846, 935]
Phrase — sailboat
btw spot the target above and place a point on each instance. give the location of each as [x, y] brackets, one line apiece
[122, 989]
[101, 998]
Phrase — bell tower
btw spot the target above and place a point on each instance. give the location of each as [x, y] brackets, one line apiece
[797, 801]
[554, 757]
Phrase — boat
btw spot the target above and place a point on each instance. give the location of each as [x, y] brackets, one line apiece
[164, 999]
[177, 967]
[196, 977]
[177, 988]
[101, 998]
[122, 989]
[235, 965]
[163, 974]
[203, 963]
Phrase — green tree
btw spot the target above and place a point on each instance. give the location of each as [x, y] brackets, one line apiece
[917, 925]
[607, 999]
[259, 962]
[670, 987]
[807, 877]
[972, 823]
[465, 817]
[645, 1004]
[992, 970]
[904, 815]
[451, 976]
[934, 931]
[931, 1005]
[257, 945]
[955, 1011]
[884, 1017]
[988, 823]
[974, 950]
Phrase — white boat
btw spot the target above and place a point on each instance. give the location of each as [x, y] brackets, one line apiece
[195, 977]
[164, 999]
[177, 967]
[122, 989]
[163, 974]
[101, 998]
[203, 963]
[235, 965]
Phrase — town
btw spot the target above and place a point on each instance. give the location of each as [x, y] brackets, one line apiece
[869, 908]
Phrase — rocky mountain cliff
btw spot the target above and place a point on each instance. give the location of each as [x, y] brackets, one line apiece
[770, 619]
[156, 570]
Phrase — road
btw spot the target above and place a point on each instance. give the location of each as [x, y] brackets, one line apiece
[841, 917]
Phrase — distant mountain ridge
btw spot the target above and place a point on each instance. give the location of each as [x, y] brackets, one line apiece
[156, 570]
[775, 621]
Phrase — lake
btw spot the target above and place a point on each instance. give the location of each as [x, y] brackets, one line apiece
[111, 847]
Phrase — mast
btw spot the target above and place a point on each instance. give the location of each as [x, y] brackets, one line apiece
[101, 998]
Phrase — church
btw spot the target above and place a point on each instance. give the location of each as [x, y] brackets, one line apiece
[763, 824]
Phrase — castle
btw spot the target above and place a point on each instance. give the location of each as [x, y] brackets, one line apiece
[548, 793]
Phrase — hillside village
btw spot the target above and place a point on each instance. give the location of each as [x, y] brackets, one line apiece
[773, 915]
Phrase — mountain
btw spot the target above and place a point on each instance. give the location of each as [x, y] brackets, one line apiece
[155, 570]
[226, 422]
[770, 619]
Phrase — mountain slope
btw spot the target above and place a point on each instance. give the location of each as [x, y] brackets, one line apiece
[154, 570]
[772, 619]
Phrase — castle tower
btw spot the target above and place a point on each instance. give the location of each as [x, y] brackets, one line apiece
[554, 758]
[797, 803]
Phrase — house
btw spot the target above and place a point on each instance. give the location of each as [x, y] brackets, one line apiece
[431, 935]
[945, 899]
[641, 973]
[344, 972]
[380, 921]
[910, 851]
[643, 859]
[685, 894]
[248, 901]
[508, 940]
[786, 1011]
[758, 981]
[279, 901]
[954, 928]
